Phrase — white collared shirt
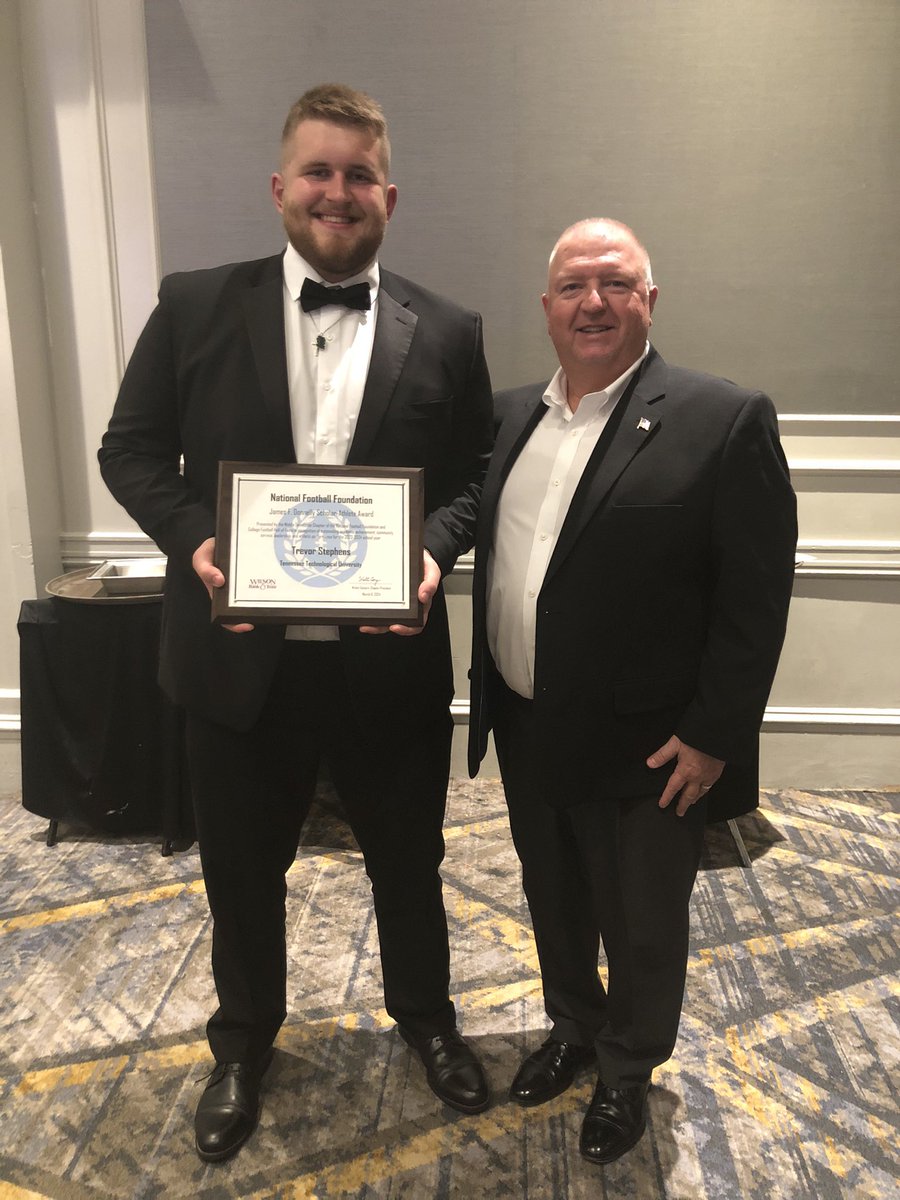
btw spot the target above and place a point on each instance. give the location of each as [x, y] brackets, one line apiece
[326, 386]
[530, 514]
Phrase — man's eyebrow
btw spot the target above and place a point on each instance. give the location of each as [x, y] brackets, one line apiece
[324, 162]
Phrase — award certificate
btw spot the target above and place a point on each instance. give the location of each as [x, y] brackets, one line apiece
[319, 545]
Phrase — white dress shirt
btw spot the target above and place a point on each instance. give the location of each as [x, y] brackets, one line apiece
[530, 514]
[326, 386]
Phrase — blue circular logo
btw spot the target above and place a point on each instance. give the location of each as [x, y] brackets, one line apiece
[320, 543]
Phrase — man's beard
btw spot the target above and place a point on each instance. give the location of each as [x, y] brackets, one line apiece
[337, 260]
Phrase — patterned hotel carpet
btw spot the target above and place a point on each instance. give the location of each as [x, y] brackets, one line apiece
[784, 1082]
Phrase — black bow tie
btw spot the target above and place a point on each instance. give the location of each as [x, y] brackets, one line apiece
[315, 295]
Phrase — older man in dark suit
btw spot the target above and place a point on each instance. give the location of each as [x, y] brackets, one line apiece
[634, 561]
[316, 355]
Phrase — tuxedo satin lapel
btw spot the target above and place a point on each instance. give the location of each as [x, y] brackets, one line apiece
[394, 331]
[264, 310]
[632, 425]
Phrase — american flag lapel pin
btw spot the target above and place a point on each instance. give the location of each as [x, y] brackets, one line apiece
[643, 423]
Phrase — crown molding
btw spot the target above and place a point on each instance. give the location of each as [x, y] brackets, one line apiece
[845, 466]
[834, 558]
[89, 549]
[878, 423]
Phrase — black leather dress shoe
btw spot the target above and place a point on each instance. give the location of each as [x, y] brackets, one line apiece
[229, 1108]
[548, 1072]
[615, 1121]
[454, 1073]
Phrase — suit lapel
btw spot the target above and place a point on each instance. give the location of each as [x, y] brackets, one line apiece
[631, 426]
[264, 311]
[394, 331]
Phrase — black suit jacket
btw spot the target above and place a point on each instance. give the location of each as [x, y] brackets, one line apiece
[664, 605]
[208, 381]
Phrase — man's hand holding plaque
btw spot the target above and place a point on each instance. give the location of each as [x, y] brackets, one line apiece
[204, 563]
[431, 578]
[319, 545]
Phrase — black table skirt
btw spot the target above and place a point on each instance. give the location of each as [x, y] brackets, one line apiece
[102, 746]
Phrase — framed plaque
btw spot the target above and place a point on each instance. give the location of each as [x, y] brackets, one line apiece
[319, 545]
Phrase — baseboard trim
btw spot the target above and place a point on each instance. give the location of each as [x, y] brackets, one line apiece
[830, 720]
[779, 718]
[10, 718]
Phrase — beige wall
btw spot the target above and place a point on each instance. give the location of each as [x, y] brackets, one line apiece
[753, 146]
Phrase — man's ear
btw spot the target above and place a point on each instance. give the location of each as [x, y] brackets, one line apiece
[278, 191]
[545, 301]
[390, 200]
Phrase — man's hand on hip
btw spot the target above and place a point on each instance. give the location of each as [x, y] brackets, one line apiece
[203, 563]
[694, 774]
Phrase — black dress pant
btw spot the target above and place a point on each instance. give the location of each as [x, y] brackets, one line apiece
[617, 871]
[252, 792]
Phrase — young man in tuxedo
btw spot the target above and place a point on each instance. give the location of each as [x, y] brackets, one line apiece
[315, 355]
[633, 570]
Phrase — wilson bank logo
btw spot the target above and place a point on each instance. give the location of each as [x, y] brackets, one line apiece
[261, 585]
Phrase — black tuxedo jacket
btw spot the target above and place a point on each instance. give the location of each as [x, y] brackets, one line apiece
[208, 381]
[664, 605]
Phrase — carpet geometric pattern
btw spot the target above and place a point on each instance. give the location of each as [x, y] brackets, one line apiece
[784, 1083]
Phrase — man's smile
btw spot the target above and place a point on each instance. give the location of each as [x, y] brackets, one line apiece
[335, 219]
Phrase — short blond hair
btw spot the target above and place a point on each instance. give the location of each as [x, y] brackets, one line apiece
[342, 105]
